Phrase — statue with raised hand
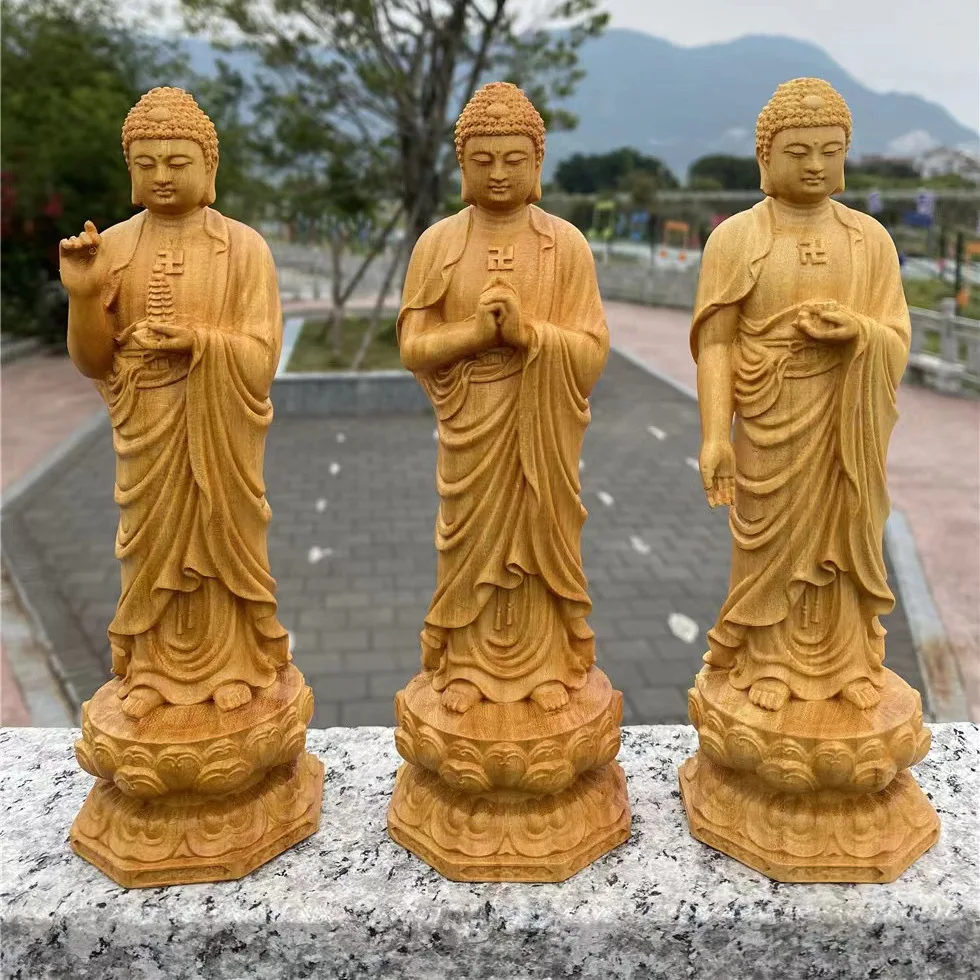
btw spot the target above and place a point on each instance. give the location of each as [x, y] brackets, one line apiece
[175, 314]
[503, 326]
[801, 334]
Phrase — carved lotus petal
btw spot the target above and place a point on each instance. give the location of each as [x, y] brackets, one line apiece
[744, 749]
[403, 717]
[548, 777]
[506, 763]
[139, 781]
[429, 747]
[788, 775]
[264, 745]
[875, 774]
[85, 759]
[922, 748]
[694, 708]
[712, 745]
[225, 768]
[582, 750]
[178, 767]
[903, 746]
[305, 707]
[405, 745]
[465, 776]
[137, 756]
[833, 763]
[104, 756]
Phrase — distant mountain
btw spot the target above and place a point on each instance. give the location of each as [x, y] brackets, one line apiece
[682, 103]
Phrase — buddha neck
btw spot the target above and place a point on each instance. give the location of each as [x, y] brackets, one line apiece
[170, 222]
[797, 214]
[495, 221]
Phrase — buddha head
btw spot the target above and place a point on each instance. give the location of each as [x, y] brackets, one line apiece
[500, 148]
[171, 149]
[801, 139]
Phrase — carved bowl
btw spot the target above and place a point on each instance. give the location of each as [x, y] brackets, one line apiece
[194, 749]
[512, 747]
[810, 745]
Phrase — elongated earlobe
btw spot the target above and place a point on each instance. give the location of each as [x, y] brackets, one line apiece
[535, 194]
[464, 190]
[765, 186]
[211, 194]
[133, 193]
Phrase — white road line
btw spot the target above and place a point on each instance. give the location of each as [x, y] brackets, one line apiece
[334, 469]
[656, 433]
[683, 627]
[317, 554]
[292, 645]
[581, 465]
[321, 505]
[341, 437]
[693, 463]
[606, 498]
[435, 435]
[639, 545]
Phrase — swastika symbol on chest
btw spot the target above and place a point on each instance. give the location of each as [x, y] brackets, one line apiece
[812, 252]
[500, 258]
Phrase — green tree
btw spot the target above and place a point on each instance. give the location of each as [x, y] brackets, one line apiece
[396, 73]
[597, 173]
[70, 71]
[725, 172]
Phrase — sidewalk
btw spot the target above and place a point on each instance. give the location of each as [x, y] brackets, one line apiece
[933, 476]
[43, 400]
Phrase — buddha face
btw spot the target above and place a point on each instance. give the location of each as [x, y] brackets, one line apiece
[169, 176]
[806, 164]
[499, 172]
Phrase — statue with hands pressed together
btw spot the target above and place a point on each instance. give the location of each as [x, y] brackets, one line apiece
[509, 728]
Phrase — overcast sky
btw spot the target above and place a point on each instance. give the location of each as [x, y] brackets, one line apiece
[927, 48]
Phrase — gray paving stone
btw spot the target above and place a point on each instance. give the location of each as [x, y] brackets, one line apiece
[356, 613]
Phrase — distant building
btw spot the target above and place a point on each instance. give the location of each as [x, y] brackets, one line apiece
[943, 160]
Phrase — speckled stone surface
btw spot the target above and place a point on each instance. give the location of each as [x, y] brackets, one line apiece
[349, 903]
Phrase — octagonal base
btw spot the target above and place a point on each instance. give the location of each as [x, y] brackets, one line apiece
[189, 838]
[509, 837]
[827, 835]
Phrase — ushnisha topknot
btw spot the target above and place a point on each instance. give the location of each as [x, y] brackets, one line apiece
[801, 102]
[500, 109]
[171, 113]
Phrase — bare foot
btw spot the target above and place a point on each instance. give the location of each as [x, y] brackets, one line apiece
[551, 695]
[460, 696]
[233, 695]
[141, 701]
[769, 693]
[862, 693]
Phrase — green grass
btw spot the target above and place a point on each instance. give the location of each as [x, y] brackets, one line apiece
[926, 294]
[314, 346]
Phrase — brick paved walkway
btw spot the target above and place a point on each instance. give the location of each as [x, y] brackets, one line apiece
[352, 550]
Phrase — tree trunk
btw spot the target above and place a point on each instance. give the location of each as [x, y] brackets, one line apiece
[337, 296]
[375, 317]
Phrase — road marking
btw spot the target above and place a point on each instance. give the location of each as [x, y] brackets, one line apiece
[334, 469]
[321, 505]
[435, 435]
[581, 465]
[639, 545]
[656, 433]
[693, 463]
[291, 647]
[316, 554]
[683, 627]
[606, 498]
[341, 437]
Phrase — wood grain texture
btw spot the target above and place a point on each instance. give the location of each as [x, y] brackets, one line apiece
[801, 335]
[510, 731]
[199, 743]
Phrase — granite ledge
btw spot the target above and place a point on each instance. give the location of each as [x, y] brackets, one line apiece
[348, 903]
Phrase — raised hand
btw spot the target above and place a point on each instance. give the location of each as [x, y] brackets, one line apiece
[717, 465]
[500, 299]
[827, 322]
[82, 265]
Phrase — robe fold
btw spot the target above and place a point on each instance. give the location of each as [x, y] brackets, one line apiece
[197, 608]
[812, 423]
[509, 608]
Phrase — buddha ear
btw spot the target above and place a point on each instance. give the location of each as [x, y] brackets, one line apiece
[841, 186]
[764, 183]
[464, 190]
[535, 194]
[133, 193]
[211, 194]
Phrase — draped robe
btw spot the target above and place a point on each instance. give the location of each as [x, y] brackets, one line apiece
[812, 423]
[197, 607]
[509, 608]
